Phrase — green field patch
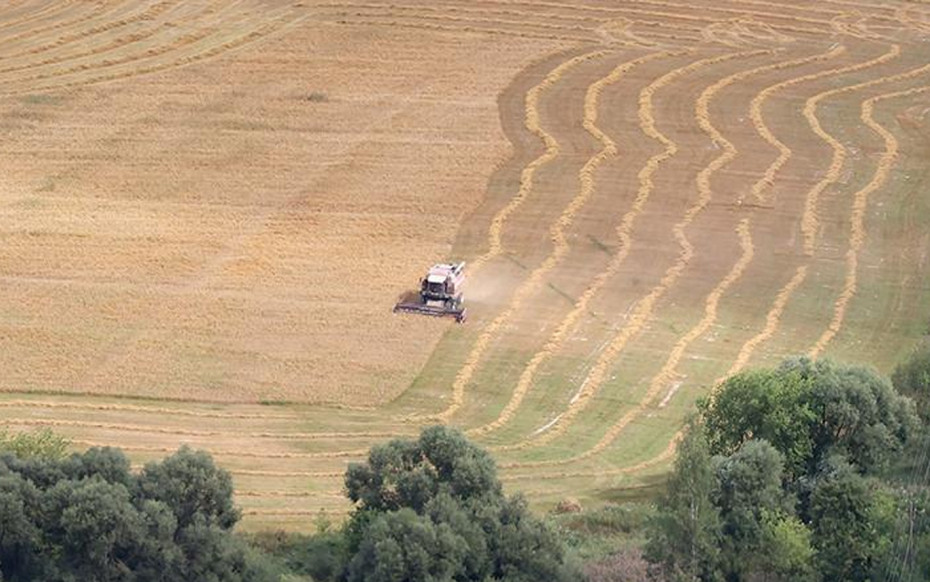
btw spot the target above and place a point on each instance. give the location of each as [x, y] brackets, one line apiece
[549, 394]
[431, 388]
[624, 389]
[491, 386]
[891, 307]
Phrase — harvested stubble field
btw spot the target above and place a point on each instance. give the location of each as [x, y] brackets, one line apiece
[208, 209]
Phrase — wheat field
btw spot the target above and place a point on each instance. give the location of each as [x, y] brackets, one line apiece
[208, 209]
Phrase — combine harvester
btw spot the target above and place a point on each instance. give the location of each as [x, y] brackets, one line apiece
[440, 293]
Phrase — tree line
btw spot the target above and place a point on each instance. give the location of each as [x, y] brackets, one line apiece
[810, 471]
[430, 509]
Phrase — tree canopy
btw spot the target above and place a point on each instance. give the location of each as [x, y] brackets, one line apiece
[810, 410]
[912, 378]
[433, 509]
[779, 477]
[87, 517]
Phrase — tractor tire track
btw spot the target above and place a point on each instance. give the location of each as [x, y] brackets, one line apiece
[739, 13]
[577, 12]
[521, 15]
[467, 20]
[301, 474]
[687, 17]
[43, 404]
[190, 38]
[149, 13]
[290, 494]
[444, 9]
[291, 512]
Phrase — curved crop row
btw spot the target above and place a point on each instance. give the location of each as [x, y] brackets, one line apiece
[857, 231]
[785, 293]
[191, 38]
[40, 32]
[495, 248]
[188, 42]
[118, 43]
[809, 221]
[587, 181]
[54, 7]
[684, 16]
[643, 310]
[467, 28]
[664, 375]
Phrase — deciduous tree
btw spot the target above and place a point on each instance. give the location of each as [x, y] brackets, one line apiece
[433, 509]
[685, 536]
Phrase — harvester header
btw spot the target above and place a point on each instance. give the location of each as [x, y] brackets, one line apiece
[440, 293]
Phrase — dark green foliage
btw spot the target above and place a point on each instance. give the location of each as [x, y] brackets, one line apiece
[858, 413]
[521, 548]
[406, 473]
[684, 537]
[912, 378]
[729, 518]
[192, 486]
[88, 518]
[20, 533]
[842, 507]
[794, 491]
[298, 557]
[106, 463]
[764, 404]
[906, 556]
[323, 556]
[785, 551]
[403, 545]
[809, 411]
[749, 495]
[433, 509]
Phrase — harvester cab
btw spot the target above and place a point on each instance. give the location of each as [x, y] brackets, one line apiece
[440, 293]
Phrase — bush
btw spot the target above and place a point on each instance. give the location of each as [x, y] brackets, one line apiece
[912, 378]
[42, 443]
[433, 509]
[86, 517]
